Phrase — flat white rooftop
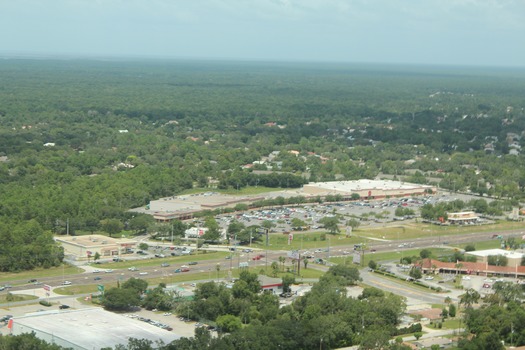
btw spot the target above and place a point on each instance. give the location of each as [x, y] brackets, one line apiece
[360, 185]
[490, 252]
[92, 328]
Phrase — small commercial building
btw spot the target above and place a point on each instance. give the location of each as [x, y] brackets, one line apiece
[195, 232]
[269, 284]
[464, 217]
[85, 247]
[87, 329]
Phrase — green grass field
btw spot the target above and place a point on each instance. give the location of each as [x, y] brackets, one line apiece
[12, 298]
[174, 261]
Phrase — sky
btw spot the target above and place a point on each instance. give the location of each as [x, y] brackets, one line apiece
[447, 32]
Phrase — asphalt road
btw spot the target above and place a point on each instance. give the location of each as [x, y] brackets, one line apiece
[209, 266]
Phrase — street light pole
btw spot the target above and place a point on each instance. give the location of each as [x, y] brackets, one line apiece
[328, 252]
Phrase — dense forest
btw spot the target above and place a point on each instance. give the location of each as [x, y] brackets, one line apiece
[81, 142]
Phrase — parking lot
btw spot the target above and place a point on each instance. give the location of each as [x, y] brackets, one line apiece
[368, 213]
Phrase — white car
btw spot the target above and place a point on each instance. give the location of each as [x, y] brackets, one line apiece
[108, 271]
[96, 271]
[66, 283]
[429, 278]
[133, 268]
[143, 273]
[466, 278]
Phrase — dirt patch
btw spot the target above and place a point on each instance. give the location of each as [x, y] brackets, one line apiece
[431, 314]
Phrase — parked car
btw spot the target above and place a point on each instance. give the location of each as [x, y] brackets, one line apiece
[98, 278]
[6, 318]
[193, 263]
[63, 306]
[164, 265]
[66, 283]
[177, 270]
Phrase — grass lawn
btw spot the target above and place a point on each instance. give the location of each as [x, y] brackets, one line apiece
[391, 256]
[453, 323]
[15, 297]
[391, 232]
[414, 230]
[172, 260]
[306, 240]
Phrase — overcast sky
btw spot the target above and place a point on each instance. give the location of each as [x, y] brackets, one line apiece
[465, 32]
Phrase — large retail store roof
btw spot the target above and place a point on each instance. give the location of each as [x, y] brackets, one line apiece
[92, 328]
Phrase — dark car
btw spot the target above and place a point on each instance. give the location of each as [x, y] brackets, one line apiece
[98, 278]
[6, 318]
[193, 263]
[32, 280]
[63, 306]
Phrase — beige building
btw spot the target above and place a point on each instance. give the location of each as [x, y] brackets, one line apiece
[513, 257]
[463, 217]
[482, 256]
[83, 246]
[183, 207]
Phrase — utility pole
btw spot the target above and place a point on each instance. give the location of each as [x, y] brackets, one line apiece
[328, 252]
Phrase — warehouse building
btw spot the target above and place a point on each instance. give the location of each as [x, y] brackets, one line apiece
[183, 207]
[87, 329]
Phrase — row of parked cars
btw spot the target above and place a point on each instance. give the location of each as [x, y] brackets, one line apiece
[152, 322]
